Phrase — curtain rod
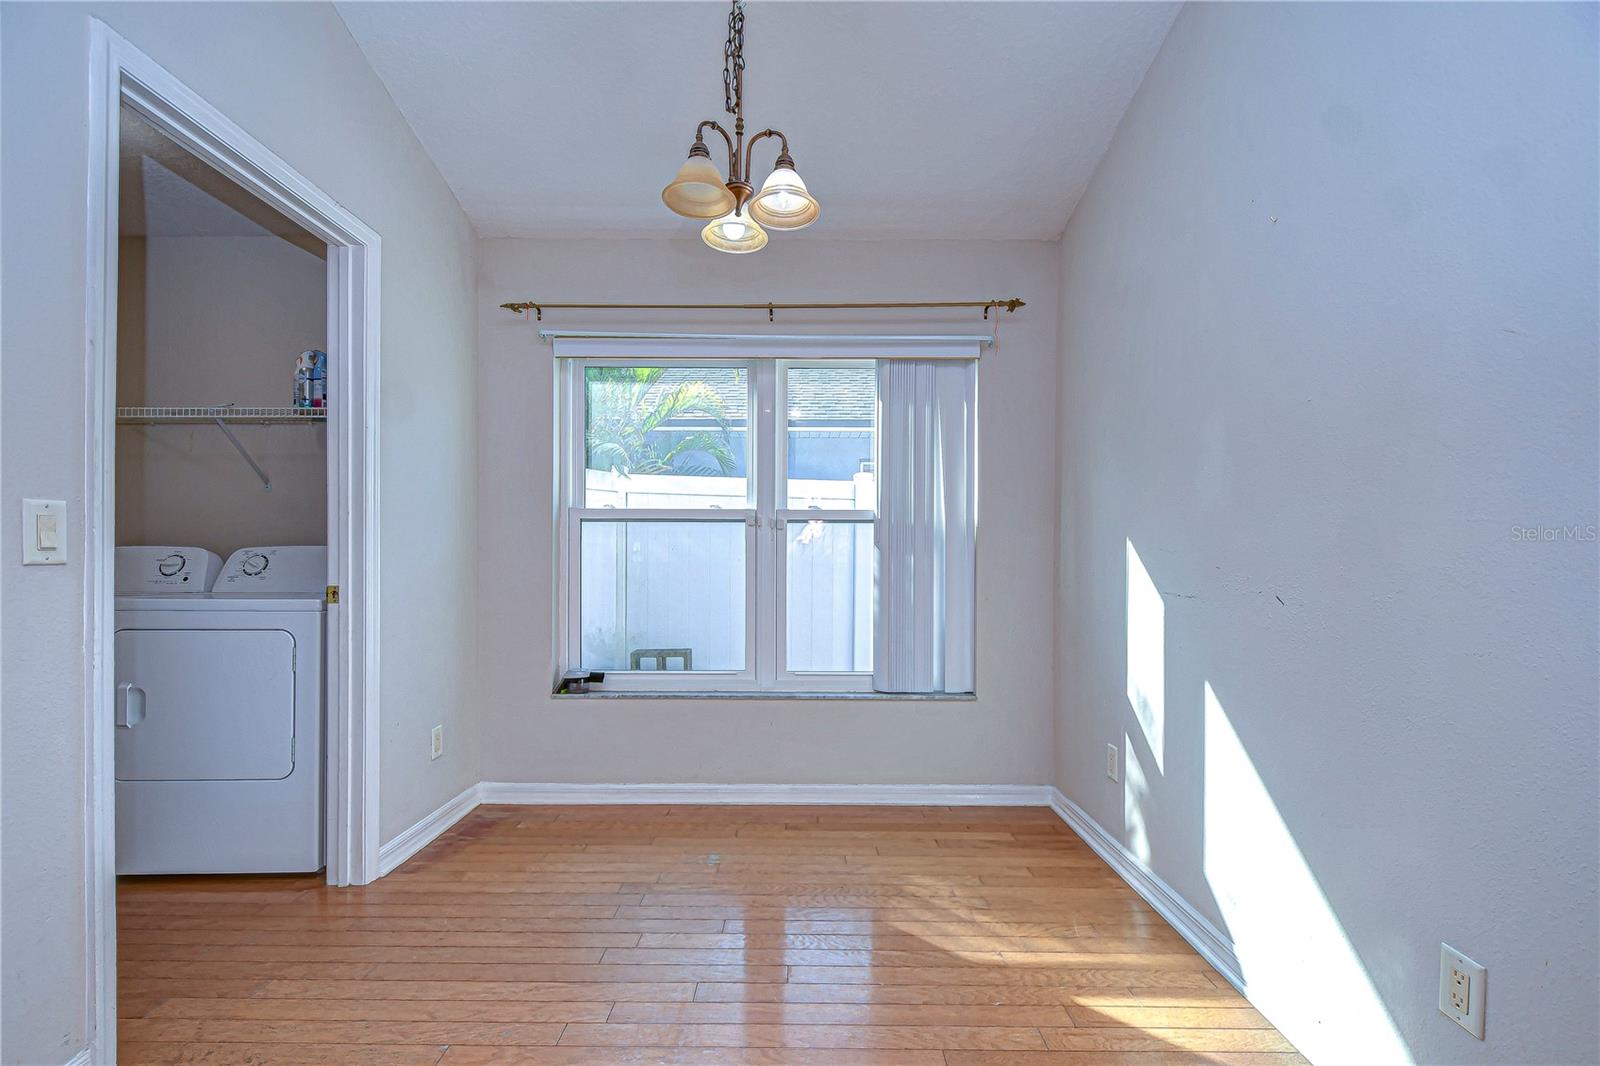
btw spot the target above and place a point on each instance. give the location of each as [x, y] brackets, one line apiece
[538, 307]
[985, 339]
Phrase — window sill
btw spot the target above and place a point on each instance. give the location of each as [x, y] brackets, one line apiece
[899, 697]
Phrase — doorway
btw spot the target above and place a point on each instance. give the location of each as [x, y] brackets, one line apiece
[220, 521]
[132, 96]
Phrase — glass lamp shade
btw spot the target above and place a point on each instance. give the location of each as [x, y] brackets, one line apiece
[698, 191]
[735, 233]
[783, 202]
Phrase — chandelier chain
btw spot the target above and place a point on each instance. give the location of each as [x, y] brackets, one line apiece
[733, 61]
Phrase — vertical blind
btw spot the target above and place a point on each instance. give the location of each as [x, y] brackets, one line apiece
[923, 627]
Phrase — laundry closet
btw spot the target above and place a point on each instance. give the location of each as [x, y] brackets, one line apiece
[222, 499]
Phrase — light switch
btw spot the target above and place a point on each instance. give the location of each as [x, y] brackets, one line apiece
[44, 532]
[48, 527]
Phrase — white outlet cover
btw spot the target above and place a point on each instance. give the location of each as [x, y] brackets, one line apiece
[1112, 761]
[436, 742]
[1452, 963]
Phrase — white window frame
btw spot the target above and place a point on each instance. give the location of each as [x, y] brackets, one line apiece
[766, 536]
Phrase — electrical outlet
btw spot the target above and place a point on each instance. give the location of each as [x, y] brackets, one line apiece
[1460, 986]
[438, 742]
[1111, 761]
[1461, 989]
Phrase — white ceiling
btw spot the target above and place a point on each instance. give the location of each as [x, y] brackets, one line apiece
[944, 120]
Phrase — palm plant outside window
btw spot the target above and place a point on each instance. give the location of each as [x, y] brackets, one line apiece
[640, 424]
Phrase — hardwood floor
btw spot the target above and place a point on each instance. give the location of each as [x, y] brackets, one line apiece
[779, 936]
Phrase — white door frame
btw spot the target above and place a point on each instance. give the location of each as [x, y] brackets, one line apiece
[120, 73]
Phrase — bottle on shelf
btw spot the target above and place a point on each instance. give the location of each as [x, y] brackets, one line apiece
[311, 379]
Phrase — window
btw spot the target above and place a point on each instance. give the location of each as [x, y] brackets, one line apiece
[830, 499]
[691, 562]
[721, 525]
[666, 437]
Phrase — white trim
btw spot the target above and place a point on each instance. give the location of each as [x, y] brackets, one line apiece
[764, 627]
[899, 795]
[613, 344]
[100, 329]
[1212, 944]
[119, 73]
[353, 556]
[746, 515]
[427, 830]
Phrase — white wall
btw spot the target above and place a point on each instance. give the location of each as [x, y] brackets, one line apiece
[1328, 338]
[1003, 737]
[218, 319]
[292, 77]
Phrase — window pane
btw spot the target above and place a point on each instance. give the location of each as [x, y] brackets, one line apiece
[665, 436]
[829, 596]
[662, 595]
[832, 415]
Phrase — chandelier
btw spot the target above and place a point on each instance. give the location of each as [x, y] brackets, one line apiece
[699, 191]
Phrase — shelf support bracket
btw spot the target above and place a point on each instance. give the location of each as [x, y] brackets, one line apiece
[266, 482]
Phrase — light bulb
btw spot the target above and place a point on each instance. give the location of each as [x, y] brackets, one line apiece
[784, 202]
[735, 233]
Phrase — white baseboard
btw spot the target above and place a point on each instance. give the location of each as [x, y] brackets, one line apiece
[1212, 944]
[82, 1058]
[412, 840]
[915, 795]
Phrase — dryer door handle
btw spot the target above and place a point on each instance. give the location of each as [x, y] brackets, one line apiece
[130, 705]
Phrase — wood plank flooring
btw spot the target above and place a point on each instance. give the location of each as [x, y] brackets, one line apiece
[715, 936]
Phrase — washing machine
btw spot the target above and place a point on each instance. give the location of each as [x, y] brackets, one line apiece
[219, 710]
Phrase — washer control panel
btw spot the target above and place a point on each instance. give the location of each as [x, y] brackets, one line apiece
[163, 568]
[282, 569]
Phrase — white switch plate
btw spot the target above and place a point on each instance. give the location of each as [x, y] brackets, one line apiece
[437, 748]
[1461, 988]
[44, 522]
[1111, 761]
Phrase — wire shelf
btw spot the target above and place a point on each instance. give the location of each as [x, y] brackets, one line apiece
[220, 415]
[265, 416]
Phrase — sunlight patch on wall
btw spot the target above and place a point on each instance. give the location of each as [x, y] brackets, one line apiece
[1147, 655]
[1135, 802]
[1299, 966]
